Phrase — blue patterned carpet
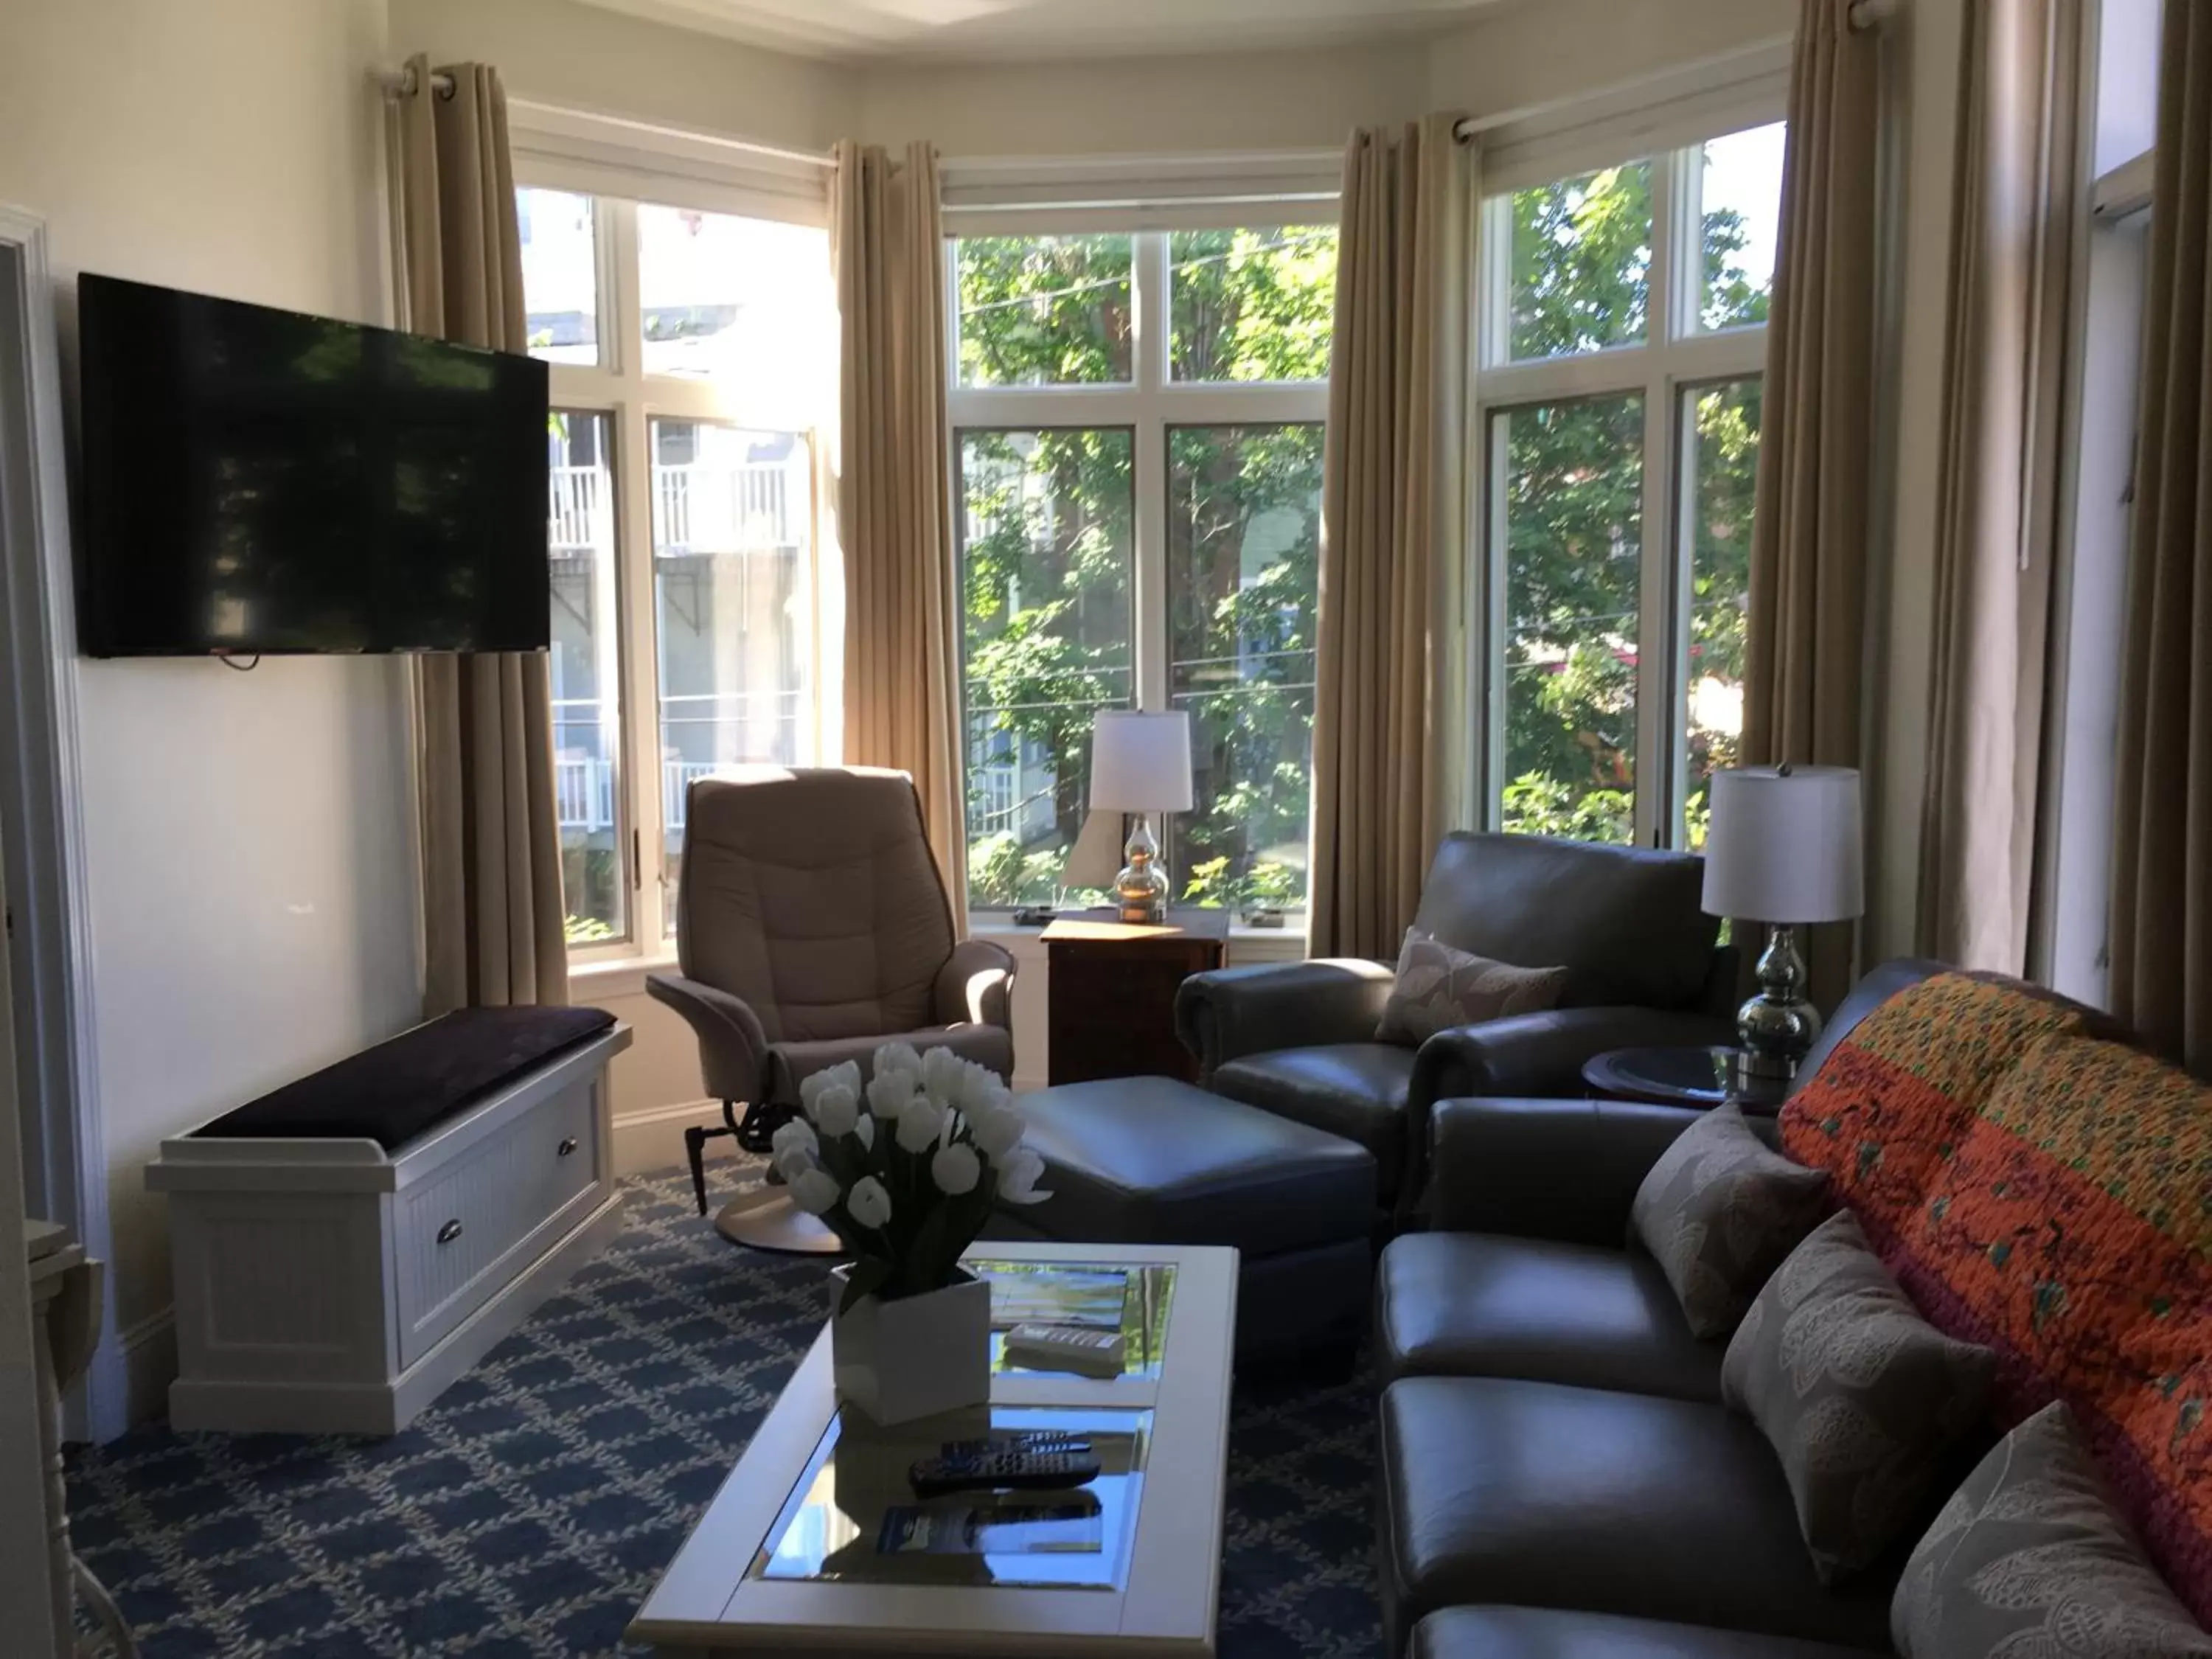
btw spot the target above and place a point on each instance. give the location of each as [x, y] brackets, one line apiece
[527, 1513]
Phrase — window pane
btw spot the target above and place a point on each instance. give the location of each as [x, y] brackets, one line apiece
[1044, 310]
[1251, 305]
[1725, 462]
[1740, 204]
[1572, 512]
[1582, 262]
[1045, 549]
[733, 519]
[1243, 566]
[560, 275]
[730, 298]
[586, 668]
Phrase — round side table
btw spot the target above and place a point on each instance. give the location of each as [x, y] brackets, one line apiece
[1697, 1078]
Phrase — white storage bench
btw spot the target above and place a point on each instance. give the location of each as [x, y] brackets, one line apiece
[345, 1248]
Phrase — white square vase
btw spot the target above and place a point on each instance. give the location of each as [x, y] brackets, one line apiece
[915, 1357]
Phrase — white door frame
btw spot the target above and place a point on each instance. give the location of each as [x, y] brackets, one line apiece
[55, 1067]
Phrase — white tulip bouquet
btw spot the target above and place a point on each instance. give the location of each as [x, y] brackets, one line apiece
[907, 1168]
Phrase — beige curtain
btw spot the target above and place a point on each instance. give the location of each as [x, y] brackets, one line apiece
[1802, 679]
[894, 507]
[1389, 492]
[2012, 236]
[491, 853]
[2161, 926]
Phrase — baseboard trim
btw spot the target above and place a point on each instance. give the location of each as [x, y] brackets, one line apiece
[653, 1138]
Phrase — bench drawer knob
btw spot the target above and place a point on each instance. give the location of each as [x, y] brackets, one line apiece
[568, 1146]
[450, 1232]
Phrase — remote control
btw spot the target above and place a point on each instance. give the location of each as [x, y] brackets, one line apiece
[1082, 1349]
[1015, 1440]
[934, 1477]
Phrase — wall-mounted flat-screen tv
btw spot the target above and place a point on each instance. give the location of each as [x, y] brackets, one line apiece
[257, 480]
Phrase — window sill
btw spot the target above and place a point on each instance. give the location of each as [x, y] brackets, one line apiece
[591, 983]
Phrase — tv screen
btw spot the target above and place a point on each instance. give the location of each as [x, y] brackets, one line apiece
[260, 481]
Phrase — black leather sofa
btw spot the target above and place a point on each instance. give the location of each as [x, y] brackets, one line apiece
[1297, 1039]
[1558, 1477]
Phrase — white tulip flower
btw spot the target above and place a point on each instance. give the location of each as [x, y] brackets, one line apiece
[869, 1204]
[997, 1129]
[981, 1089]
[846, 1075]
[956, 1169]
[920, 1123]
[1017, 1178]
[889, 1092]
[793, 1163]
[898, 1058]
[942, 1074]
[814, 1192]
[837, 1108]
[796, 1136]
[864, 1127]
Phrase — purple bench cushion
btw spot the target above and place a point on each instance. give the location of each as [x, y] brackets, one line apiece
[395, 1091]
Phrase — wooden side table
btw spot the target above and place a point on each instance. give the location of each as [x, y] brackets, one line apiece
[1113, 990]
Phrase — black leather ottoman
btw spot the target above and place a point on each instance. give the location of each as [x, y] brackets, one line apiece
[1152, 1160]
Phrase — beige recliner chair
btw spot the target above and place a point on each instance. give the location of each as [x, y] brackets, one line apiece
[811, 925]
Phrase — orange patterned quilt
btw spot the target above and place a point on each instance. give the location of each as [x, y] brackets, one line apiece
[2048, 1194]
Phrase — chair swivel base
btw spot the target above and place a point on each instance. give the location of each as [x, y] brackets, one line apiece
[764, 1219]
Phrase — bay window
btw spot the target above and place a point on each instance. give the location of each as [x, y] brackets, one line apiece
[1623, 320]
[692, 358]
[1138, 442]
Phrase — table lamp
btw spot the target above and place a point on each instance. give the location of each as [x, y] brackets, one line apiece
[1140, 765]
[1783, 848]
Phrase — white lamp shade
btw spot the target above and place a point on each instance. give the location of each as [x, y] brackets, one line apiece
[1784, 845]
[1140, 762]
[1099, 853]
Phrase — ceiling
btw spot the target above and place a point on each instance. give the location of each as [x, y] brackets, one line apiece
[1049, 28]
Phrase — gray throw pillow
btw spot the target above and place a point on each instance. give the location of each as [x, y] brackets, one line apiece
[1439, 987]
[2030, 1557]
[1859, 1394]
[1719, 1211]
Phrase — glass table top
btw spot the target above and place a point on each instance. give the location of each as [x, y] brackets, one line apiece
[854, 1518]
[1134, 1297]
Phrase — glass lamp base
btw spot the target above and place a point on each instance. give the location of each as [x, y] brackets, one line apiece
[1140, 892]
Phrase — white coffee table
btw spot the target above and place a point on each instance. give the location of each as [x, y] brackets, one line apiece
[785, 1559]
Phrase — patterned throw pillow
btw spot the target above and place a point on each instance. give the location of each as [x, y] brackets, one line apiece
[2030, 1557]
[1719, 1211]
[1859, 1394]
[1439, 987]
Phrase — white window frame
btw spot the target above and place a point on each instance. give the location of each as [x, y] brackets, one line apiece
[621, 165]
[1147, 405]
[1676, 358]
[2071, 927]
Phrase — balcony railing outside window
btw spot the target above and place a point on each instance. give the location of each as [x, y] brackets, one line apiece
[584, 785]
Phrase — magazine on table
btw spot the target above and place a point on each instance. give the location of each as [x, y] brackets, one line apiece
[996, 1524]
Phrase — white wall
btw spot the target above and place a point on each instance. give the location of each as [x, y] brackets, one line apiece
[1528, 55]
[250, 850]
[1192, 103]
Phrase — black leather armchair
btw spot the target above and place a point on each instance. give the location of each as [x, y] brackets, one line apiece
[1642, 965]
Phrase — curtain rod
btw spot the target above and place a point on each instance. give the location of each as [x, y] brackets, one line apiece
[1863, 15]
[397, 84]
[400, 83]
